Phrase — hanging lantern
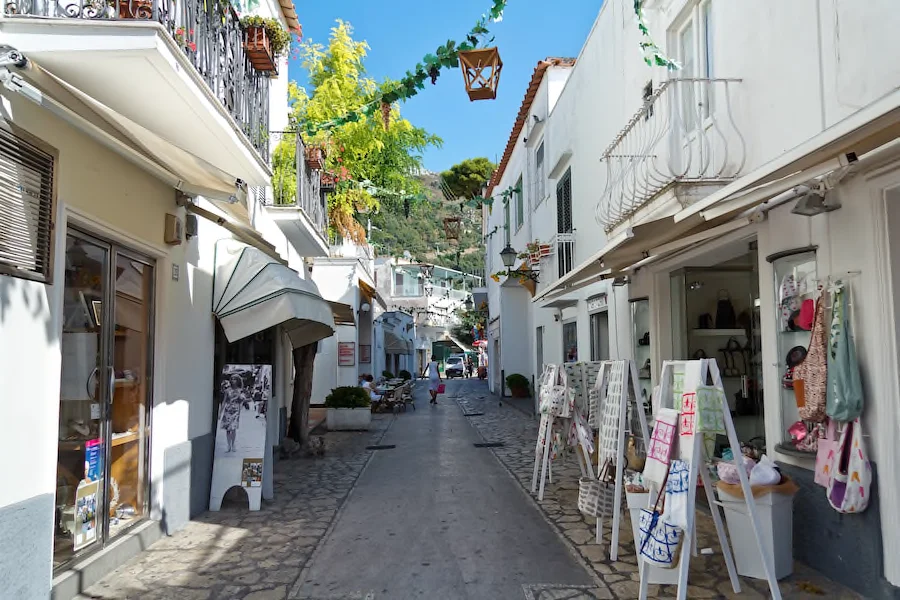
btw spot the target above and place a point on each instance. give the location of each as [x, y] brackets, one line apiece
[452, 226]
[481, 72]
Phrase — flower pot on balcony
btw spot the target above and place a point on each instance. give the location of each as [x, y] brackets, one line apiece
[534, 257]
[135, 9]
[326, 182]
[259, 49]
[315, 157]
[546, 250]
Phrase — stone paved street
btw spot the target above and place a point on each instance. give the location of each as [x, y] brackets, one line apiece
[434, 517]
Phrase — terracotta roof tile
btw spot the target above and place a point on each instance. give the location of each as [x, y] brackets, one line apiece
[530, 93]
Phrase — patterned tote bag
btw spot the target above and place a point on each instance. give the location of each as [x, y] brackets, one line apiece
[811, 375]
[659, 539]
[851, 473]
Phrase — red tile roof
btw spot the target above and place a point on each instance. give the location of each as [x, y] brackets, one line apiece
[530, 93]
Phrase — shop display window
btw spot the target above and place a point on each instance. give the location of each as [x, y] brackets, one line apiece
[795, 285]
[640, 336]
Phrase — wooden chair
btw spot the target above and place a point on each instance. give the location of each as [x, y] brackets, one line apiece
[406, 394]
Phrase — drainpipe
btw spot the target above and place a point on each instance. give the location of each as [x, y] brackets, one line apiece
[503, 383]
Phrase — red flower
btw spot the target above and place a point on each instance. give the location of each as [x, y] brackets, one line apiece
[192, 46]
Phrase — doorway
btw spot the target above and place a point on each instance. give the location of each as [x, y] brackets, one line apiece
[104, 410]
[600, 335]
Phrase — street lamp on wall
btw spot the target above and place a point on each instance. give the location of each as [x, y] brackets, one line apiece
[508, 255]
[469, 304]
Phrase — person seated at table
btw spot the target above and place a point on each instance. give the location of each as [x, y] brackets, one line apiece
[367, 385]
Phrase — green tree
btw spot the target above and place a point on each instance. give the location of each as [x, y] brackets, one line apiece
[467, 178]
[468, 319]
[385, 158]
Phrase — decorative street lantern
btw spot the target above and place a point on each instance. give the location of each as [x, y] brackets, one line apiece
[508, 256]
[452, 227]
[481, 72]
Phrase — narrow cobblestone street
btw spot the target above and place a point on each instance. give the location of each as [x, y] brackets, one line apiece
[433, 517]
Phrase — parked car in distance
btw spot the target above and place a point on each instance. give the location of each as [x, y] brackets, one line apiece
[455, 367]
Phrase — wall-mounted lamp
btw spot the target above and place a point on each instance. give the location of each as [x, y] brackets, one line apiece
[814, 201]
[621, 281]
[508, 255]
[695, 285]
[365, 307]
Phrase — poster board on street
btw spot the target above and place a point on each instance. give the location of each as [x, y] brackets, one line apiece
[245, 393]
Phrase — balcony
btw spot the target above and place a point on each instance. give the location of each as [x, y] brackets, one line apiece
[680, 146]
[299, 206]
[176, 67]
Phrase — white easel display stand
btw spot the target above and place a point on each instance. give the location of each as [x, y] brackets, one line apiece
[554, 376]
[699, 459]
[613, 382]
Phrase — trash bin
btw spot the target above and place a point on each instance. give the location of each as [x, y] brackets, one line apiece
[775, 510]
[637, 501]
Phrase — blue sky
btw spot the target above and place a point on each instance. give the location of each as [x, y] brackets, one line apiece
[401, 32]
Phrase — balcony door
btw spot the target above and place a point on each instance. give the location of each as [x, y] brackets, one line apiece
[565, 250]
[104, 425]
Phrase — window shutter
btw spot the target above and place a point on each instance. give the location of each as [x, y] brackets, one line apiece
[27, 197]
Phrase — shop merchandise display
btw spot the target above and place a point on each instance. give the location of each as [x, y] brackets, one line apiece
[844, 401]
[850, 474]
[810, 376]
[725, 315]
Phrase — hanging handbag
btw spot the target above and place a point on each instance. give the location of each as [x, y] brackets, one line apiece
[659, 540]
[596, 497]
[851, 473]
[660, 447]
[636, 460]
[844, 399]
[725, 316]
[811, 375]
[827, 449]
[441, 388]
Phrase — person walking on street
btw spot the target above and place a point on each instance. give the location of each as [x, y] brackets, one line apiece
[434, 379]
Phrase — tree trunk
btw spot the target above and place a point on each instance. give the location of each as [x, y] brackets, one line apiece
[304, 356]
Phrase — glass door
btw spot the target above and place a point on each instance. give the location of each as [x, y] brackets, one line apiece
[105, 385]
[84, 382]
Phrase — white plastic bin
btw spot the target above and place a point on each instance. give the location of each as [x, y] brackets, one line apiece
[776, 518]
[655, 574]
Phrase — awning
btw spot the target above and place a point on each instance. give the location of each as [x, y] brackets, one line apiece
[371, 294]
[393, 344]
[252, 292]
[862, 132]
[181, 169]
[343, 313]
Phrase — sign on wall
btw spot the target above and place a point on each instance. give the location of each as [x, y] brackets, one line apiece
[245, 392]
[365, 354]
[347, 354]
[598, 302]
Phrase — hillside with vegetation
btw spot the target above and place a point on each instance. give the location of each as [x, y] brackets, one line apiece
[422, 235]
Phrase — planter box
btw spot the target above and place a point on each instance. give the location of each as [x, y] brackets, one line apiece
[349, 419]
[259, 50]
[519, 392]
[135, 9]
[315, 157]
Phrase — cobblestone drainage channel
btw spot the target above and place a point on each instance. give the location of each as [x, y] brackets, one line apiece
[382, 447]
[488, 444]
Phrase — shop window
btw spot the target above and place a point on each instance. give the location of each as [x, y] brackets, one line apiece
[27, 200]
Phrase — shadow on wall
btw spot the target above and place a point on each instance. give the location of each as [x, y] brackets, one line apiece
[35, 301]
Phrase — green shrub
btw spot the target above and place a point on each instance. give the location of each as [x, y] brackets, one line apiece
[387, 374]
[347, 397]
[516, 381]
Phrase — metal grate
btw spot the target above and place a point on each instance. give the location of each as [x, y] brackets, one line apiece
[27, 196]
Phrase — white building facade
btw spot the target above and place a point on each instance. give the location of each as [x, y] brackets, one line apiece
[769, 157]
[138, 259]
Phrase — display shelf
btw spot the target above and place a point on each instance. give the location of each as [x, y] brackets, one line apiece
[788, 449]
[718, 332]
[130, 436]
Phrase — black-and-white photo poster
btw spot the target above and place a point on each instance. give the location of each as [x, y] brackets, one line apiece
[244, 392]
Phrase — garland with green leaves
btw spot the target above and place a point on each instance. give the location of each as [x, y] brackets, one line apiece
[445, 57]
[505, 195]
[653, 56]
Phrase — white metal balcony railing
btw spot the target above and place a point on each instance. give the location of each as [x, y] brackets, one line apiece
[684, 133]
[565, 253]
[210, 35]
[299, 185]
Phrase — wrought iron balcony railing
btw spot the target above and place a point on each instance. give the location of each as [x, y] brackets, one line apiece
[209, 33]
[295, 183]
[565, 253]
[685, 133]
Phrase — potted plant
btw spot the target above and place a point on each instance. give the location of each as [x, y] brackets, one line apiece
[348, 409]
[315, 157]
[405, 375]
[265, 42]
[387, 374]
[518, 385]
[134, 9]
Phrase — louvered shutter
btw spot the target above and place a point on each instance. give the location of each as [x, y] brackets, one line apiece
[26, 208]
